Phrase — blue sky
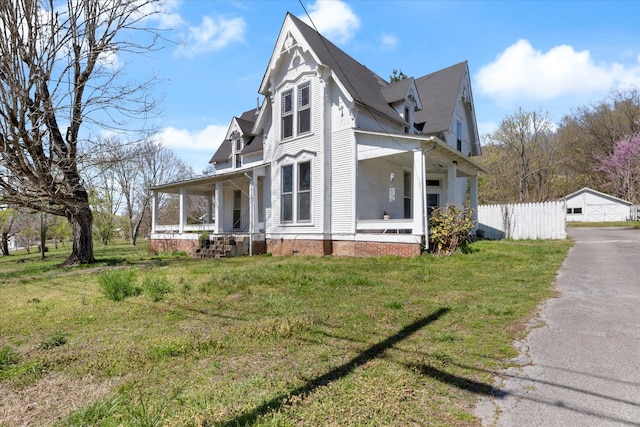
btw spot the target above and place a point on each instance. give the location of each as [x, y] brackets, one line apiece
[553, 55]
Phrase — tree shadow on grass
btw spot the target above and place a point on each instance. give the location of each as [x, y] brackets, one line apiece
[337, 373]
[456, 381]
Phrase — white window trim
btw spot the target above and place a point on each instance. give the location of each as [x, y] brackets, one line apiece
[295, 90]
[295, 221]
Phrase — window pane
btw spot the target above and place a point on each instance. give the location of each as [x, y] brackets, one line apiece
[287, 126]
[287, 102]
[304, 206]
[304, 176]
[304, 121]
[303, 94]
[287, 208]
[287, 179]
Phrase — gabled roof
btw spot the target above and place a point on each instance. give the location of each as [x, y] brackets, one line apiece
[400, 90]
[254, 142]
[439, 94]
[597, 193]
[223, 153]
[362, 84]
[397, 91]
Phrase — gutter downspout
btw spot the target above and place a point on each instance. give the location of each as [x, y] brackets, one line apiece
[251, 212]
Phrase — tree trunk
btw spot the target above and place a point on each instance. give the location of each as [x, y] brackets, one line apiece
[81, 221]
[5, 244]
[43, 236]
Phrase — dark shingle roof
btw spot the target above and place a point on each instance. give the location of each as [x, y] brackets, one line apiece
[224, 152]
[361, 83]
[396, 91]
[438, 92]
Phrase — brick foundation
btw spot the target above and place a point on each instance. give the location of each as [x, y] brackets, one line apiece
[289, 247]
[171, 245]
[366, 249]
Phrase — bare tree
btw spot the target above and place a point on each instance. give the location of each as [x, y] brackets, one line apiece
[133, 169]
[523, 157]
[59, 74]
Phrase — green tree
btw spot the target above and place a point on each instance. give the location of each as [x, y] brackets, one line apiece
[592, 132]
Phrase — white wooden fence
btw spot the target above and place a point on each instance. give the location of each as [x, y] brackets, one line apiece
[523, 221]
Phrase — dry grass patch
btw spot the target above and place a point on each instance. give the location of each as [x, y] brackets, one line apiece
[50, 399]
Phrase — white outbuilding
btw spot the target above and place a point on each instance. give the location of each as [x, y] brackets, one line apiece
[588, 205]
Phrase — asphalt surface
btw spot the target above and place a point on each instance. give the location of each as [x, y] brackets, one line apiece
[580, 364]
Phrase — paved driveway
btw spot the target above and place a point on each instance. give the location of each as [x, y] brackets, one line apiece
[580, 365]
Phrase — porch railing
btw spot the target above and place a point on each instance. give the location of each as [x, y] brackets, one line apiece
[384, 225]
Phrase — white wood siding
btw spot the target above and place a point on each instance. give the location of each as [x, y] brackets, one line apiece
[375, 190]
[596, 208]
[343, 178]
[371, 121]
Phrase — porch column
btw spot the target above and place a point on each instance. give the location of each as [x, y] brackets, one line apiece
[253, 210]
[419, 182]
[209, 218]
[183, 210]
[217, 208]
[452, 172]
[154, 211]
[473, 197]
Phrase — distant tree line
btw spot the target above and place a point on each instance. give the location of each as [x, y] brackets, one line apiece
[533, 160]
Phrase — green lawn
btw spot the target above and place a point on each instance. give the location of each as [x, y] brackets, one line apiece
[627, 224]
[265, 341]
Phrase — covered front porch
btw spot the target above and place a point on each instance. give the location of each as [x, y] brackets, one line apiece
[226, 206]
[402, 178]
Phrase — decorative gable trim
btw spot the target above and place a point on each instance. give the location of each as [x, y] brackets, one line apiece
[302, 155]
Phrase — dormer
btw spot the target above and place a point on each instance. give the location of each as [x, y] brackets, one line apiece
[239, 143]
[403, 97]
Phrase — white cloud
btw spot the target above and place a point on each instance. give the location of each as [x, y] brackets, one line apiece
[206, 140]
[213, 33]
[523, 72]
[334, 19]
[388, 42]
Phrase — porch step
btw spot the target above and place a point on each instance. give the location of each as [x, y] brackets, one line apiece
[221, 247]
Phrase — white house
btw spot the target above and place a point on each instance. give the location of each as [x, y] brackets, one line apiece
[333, 150]
[588, 205]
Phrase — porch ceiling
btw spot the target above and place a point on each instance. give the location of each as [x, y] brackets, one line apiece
[202, 186]
[399, 148]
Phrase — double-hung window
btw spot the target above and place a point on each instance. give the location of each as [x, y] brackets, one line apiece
[287, 114]
[286, 203]
[296, 111]
[296, 186]
[458, 135]
[237, 142]
[304, 191]
[304, 109]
